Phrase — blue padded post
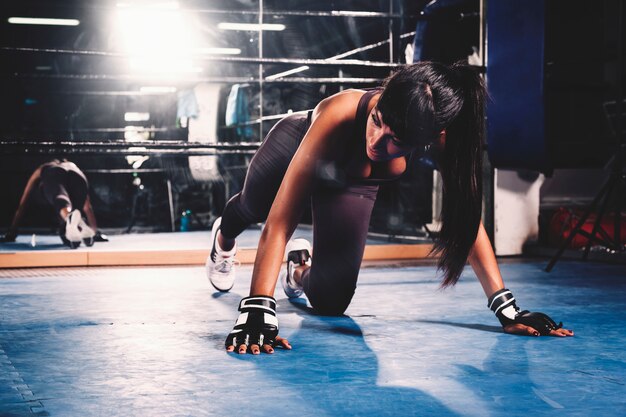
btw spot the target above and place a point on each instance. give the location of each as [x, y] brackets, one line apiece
[515, 74]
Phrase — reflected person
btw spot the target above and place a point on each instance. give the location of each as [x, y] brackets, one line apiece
[65, 187]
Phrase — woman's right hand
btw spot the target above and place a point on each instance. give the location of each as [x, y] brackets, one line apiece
[255, 349]
[528, 323]
[524, 330]
[256, 327]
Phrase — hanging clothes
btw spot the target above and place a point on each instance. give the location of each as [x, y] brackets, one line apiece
[237, 112]
[203, 129]
[187, 105]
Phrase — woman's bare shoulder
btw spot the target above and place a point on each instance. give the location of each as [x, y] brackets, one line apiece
[341, 106]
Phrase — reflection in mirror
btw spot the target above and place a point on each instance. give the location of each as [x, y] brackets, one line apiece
[161, 107]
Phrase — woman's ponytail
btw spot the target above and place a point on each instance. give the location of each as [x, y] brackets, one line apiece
[461, 170]
[418, 102]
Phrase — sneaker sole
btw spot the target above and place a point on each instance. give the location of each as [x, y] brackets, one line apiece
[289, 292]
[292, 245]
[87, 233]
[74, 238]
[214, 230]
[221, 289]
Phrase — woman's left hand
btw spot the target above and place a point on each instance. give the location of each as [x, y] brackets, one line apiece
[523, 330]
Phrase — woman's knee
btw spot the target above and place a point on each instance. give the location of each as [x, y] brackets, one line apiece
[330, 302]
[330, 309]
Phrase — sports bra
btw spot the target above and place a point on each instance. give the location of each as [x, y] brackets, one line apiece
[334, 174]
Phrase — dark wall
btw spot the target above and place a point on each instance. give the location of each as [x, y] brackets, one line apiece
[552, 72]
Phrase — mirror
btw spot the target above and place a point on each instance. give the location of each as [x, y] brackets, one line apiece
[162, 105]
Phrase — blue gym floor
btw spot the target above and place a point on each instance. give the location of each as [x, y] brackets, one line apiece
[149, 342]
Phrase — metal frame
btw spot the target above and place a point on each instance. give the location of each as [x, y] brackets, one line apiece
[488, 170]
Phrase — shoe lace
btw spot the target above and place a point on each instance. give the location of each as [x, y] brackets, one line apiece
[224, 265]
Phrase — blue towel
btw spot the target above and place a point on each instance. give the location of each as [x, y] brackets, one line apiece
[237, 110]
[187, 104]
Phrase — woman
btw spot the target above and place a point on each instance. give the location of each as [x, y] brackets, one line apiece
[335, 157]
[65, 187]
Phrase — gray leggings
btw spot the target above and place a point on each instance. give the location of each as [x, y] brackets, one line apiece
[341, 217]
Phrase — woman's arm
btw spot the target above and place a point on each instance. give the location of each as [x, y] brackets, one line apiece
[91, 218]
[483, 261]
[30, 185]
[322, 142]
[257, 327]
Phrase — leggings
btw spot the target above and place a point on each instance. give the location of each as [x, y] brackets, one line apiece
[341, 217]
[64, 185]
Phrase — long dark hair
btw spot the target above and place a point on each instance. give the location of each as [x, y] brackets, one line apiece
[418, 102]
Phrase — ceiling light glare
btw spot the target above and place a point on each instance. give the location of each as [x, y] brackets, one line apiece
[43, 21]
[136, 117]
[251, 26]
[218, 51]
[165, 5]
[157, 90]
[157, 40]
[160, 66]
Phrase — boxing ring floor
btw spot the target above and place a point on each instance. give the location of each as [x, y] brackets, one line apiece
[148, 341]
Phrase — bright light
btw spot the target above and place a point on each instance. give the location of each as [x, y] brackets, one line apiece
[250, 26]
[43, 21]
[158, 37]
[157, 90]
[288, 72]
[135, 134]
[151, 32]
[136, 117]
[167, 5]
[218, 51]
[160, 65]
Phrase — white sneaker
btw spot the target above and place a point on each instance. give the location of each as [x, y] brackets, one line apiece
[220, 265]
[298, 253]
[86, 232]
[72, 234]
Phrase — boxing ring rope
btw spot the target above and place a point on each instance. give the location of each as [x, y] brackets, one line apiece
[161, 147]
[212, 58]
[303, 13]
[128, 77]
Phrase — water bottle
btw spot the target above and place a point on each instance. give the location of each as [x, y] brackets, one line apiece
[184, 220]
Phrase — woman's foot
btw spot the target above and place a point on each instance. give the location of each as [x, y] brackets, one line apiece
[221, 264]
[72, 235]
[298, 260]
